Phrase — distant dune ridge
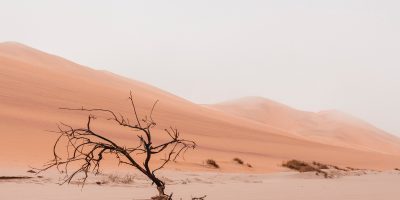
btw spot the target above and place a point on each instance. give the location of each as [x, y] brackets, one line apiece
[325, 126]
[34, 84]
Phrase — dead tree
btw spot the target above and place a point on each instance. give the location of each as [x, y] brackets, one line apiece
[86, 148]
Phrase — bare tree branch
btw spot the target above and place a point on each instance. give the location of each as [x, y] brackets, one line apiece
[86, 148]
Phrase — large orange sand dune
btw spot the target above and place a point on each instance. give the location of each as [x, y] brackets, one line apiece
[325, 126]
[33, 85]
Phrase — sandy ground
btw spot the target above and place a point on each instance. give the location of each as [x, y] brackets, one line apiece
[217, 186]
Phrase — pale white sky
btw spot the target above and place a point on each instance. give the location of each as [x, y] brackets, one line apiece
[311, 55]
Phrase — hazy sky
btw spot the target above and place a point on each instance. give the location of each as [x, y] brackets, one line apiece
[311, 55]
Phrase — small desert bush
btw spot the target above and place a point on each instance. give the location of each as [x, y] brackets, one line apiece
[301, 166]
[397, 169]
[248, 165]
[212, 163]
[238, 161]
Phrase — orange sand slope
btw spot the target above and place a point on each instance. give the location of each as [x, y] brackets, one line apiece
[33, 85]
[326, 126]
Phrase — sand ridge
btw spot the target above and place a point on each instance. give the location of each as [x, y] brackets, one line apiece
[34, 84]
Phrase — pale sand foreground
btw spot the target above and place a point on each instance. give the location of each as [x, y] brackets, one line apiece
[285, 185]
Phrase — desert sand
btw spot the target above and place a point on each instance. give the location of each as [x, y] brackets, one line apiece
[34, 85]
[328, 126]
[217, 186]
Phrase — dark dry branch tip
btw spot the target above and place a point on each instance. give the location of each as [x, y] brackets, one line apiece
[14, 177]
[86, 148]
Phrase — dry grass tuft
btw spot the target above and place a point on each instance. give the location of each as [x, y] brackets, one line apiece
[238, 161]
[212, 163]
[301, 166]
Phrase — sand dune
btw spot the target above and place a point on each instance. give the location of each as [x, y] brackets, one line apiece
[34, 84]
[325, 126]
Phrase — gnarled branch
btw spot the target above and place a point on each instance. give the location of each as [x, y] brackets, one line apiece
[86, 148]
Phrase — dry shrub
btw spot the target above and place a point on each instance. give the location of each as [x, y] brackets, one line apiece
[89, 147]
[212, 163]
[301, 166]
[238, 161]
[248, 165]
